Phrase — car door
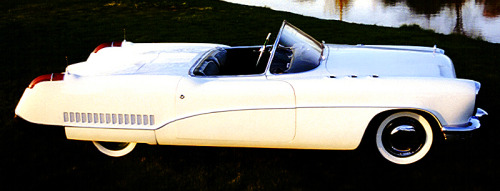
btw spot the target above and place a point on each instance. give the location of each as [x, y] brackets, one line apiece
[235, 108]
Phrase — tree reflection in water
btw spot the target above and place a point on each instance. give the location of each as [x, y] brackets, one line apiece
[475, 18]
[491, 8]
[430, 8]
[338, 5]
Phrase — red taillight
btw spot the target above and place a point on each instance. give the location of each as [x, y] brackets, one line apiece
[46, 77]
[107, 44]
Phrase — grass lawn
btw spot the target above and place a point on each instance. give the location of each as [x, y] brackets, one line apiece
[42, 36]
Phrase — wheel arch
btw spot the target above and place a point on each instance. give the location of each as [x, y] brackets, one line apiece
[377, 119]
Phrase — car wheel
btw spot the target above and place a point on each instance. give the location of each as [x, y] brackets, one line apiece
[114, 149]
[404, 137]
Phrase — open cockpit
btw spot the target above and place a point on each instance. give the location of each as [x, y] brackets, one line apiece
[293, 52]
[232, 61]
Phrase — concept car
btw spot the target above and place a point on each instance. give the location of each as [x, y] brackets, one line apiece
[297, 93]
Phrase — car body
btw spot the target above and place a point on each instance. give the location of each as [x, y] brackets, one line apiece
[297, 93]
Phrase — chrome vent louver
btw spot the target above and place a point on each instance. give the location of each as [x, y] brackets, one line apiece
[108, 118]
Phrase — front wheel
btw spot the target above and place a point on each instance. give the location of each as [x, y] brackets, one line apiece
[404, 137]
[114, 149]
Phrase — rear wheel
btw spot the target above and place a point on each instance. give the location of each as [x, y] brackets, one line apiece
[114, 149]
[404, 137]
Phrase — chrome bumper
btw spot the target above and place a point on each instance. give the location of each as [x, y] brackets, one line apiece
[465, 131]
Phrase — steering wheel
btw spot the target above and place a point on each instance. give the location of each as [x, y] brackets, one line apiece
[262, 49]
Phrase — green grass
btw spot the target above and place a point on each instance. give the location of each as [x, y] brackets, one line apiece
[42, 36]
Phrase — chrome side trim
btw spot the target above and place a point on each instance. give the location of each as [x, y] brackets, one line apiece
[433, 50]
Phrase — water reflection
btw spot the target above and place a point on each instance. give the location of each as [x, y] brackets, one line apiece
[338, 7]
[431, 8]
[491, 8]
[475, 18]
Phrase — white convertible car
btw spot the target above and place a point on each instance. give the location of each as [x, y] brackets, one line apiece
[297, 93]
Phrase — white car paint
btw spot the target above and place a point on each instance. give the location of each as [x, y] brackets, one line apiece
[386, 61]
[147, 93]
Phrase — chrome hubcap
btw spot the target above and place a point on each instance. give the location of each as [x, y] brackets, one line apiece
[403, 137]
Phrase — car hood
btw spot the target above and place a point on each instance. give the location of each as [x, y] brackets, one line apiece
[407, 61]
[141, 58]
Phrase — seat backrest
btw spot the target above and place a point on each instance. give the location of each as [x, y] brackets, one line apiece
[209, 67]
[221, 57]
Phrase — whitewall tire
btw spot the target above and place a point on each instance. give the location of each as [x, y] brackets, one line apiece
[404, 137]
[114, 149]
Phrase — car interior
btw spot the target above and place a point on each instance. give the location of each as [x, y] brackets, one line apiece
[243, 61]
[233, 61]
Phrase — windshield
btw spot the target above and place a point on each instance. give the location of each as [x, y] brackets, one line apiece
[294, 51]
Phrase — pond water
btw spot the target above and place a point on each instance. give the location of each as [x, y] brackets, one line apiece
[474, 18]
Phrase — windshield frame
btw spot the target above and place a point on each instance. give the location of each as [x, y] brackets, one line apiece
[299, 36]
